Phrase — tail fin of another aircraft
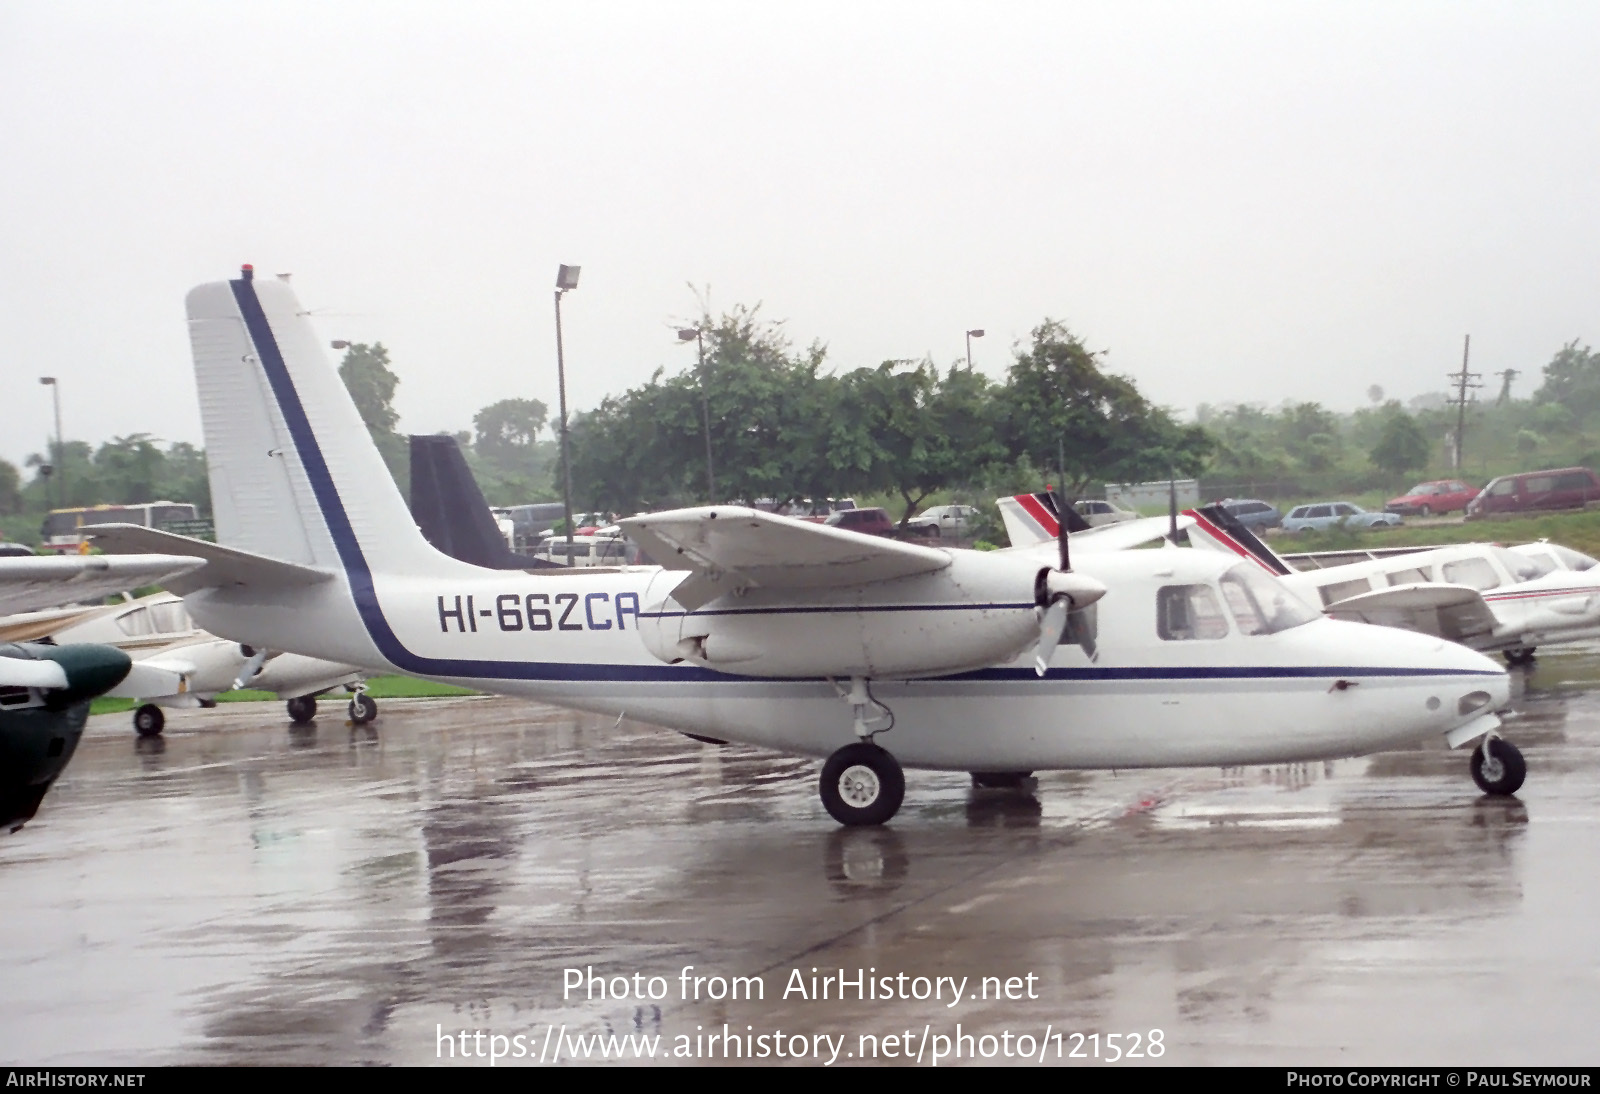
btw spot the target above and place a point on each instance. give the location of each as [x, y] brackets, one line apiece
[294, 473]
[451, 511]
[1034, 518]
[1216, 528]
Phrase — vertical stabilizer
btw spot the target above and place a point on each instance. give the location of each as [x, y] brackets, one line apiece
[451, 511]
[1216, 528]
[294, 473]
[1031, 519]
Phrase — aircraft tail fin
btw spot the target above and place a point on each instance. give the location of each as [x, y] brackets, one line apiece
[294, 473]
[451, 511]
[1032, 519]
[1216, 528]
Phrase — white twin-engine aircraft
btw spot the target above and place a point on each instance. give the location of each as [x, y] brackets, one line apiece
[786, 634]
[1510, 600]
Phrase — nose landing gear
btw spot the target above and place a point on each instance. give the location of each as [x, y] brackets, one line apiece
[861, 783]
[1498, 767]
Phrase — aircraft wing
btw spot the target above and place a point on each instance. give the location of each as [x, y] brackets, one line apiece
[729, 548]
[45, 581]
[222, 565]
[1456, 612]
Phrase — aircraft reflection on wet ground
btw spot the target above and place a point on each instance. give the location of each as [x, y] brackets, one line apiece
[246, 893]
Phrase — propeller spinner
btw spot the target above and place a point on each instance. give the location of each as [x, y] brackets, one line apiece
[1058, 593]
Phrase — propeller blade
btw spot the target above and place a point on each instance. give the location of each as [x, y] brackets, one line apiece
[1050, 627]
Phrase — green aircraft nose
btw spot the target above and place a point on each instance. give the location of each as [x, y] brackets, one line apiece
[91, 670]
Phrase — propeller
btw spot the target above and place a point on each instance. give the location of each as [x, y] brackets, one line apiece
[1059, 592]
[250, 668]
[67, 674]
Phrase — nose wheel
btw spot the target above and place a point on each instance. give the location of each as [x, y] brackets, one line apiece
[1498, 767]
[862, 785]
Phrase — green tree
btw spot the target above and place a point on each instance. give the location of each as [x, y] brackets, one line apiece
[1572, 379]
[366, 374]
[1402, 446]
[508, 430]
[10, 489]
[131, 468]
[1062, 411]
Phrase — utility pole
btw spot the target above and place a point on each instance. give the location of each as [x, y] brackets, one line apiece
[1505, 385]
[1465, 382]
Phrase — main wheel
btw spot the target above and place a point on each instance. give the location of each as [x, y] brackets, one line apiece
[1498, 767]
[862, 784]
[302, 708]
[148, 720]
[999, 780]
[363, 708]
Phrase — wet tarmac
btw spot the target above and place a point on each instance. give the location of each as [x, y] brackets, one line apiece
[246, 893]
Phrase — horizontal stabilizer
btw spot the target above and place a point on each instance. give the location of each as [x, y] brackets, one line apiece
[731, 548]
[46, 581]
[1127, 534]
[223, 565]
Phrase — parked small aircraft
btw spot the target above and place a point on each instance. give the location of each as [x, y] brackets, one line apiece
[181, 665]
[45, 689]
[1492, 598]
[767, 630]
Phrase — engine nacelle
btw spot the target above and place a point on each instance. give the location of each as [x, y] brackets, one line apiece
[978, 611]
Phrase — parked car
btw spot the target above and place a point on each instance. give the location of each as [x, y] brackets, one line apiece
[1563, 488]
[1253, 514]
[872, 522]
[944, 520]
[1098, 512]
[14, 550]
[1332, 514]
[1427, 498]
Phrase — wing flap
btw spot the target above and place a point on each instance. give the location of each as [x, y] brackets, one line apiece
[729, 548]
[222, 565]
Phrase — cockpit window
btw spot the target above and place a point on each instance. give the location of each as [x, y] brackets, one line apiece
[1521, 567]
[1262, 604]
[1185, 612]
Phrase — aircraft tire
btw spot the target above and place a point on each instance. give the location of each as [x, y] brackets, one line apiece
[999, 780]
[148, 720]
[1502, 773]
[363, 708]
[302, 708]
[1523, 655]
[862, 785]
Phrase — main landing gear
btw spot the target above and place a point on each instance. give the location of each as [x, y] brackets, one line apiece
[1520, 656]
[1498, 767]
[148, 720]
[302, 709]
[862, 784]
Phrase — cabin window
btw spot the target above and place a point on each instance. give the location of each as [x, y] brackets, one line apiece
[1185, 612]
[1475, 573]
[1414, 576]
[1574, 560]
[1519, 566]
[135, 624]
[170, 618]
[1343, 590]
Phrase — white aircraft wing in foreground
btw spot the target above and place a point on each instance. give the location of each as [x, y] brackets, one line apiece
[870, 653]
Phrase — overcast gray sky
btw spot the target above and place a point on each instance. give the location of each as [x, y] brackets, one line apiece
[1240, 201]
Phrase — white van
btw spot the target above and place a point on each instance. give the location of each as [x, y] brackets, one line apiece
[588, 550]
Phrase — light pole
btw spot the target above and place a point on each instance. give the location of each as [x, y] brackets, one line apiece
[61, 479]
[566, 280]
[971, 334]
[705, 406]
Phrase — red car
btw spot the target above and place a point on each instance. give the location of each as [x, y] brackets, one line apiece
[1427, 498]
[872, 522]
